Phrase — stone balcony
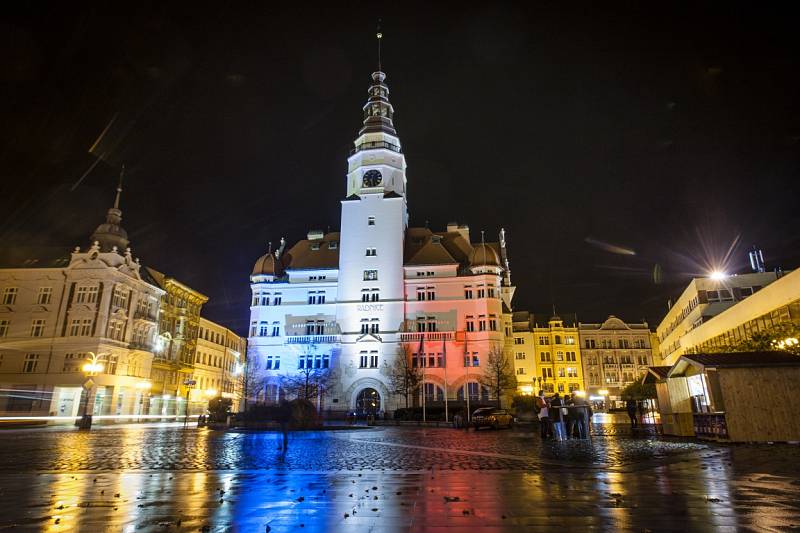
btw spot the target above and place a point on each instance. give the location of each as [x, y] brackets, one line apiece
[313, 339]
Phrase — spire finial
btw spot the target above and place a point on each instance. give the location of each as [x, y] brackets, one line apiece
[119, 186]
[379, 36]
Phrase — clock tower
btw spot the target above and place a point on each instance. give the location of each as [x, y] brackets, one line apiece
[370, 299]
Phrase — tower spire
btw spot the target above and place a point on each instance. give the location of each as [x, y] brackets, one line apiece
[110, 234]
[119, 186]
[378, 37]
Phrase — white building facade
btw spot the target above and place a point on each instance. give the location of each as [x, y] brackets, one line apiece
[347, 303]
[54, 314]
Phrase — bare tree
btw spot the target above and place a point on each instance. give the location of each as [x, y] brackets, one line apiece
[252, 381]
[498, 373]
[312, 381]
[404, 378]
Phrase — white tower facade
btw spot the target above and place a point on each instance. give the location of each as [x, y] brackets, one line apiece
[374, 219]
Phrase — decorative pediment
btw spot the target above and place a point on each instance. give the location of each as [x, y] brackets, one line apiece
[369, 337]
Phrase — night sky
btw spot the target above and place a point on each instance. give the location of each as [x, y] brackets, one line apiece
[606, 142]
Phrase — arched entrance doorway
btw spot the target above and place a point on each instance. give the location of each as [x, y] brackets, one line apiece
[368, 402]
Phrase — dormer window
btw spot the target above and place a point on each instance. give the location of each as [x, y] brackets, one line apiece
[333, 245]
[315, 246]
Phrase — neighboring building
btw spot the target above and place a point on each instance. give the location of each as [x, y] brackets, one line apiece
[218, 363]
[703, 299]
[54, 313]
[776, 304]
[547, 354]
[615, 354]
[174, 360]
[346, 303]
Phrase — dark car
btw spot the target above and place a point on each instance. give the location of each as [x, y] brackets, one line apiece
[492, 417]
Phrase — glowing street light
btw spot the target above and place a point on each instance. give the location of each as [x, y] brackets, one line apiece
[92, 367]
[718, 275]
[603, 392]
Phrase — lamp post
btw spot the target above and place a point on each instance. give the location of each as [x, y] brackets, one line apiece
[92, 367]
[143, 386]
[189, 383]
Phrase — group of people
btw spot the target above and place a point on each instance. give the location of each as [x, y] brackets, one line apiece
[563, 418]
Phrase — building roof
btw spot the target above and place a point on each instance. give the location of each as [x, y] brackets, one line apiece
[312, 254]
[432, 252]
[159, 279]
[734, 360]
[656, 373]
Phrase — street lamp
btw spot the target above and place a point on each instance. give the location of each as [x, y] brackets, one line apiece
[189, 383]
[92, 367]
[143, 386]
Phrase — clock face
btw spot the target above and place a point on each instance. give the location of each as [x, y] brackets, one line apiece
[372, 178]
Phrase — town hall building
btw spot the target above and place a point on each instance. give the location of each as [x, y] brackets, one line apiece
[348, 303]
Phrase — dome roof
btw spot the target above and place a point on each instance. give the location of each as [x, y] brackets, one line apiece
[110, 233]
[483, 255]
[266, 265]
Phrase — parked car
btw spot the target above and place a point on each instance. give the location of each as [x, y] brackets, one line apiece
[492, 417]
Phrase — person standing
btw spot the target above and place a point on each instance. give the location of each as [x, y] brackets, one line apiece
[542, 407]
[569, 417]
[581, 414]
[557, 417]
[630, 406]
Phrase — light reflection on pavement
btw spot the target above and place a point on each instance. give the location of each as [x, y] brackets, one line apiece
[387, 479]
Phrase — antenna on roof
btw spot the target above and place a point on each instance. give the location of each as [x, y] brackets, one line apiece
[119, 186]
[269, 247]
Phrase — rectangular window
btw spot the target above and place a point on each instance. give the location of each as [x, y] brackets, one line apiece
[520, 355]
[86, 327]
[468, 293]
[277, 299]
[482, 325]
[370, 275]
[475, 359]
[37, 328]
[544, 340]
[481, 293]
[364, 296]
[370, 221]
[547, 373]
[492, 324]
[420, 294]
[545, 357]
[276, 329]
[364, 327]
[520, 371]
[74, 328]
[44, 296]
[589, 343]
[470, 325]
[262, 329]
[431, 294]
[31, 363]
[120, 298]
[569, 339]
[363, 360]
[256, 298]
[519, 340]
[371, 252]
[10, 295]
[4, 325]
[376, 296]
[373, 360]
[374, 327]
[571, 357]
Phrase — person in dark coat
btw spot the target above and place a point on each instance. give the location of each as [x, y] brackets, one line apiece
[630, 406]
[556, 417]
[569, 418]
[284, 417]
[581, 415]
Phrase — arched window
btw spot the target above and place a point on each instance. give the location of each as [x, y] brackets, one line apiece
[476, 392]
[433, 393]
[558, 339]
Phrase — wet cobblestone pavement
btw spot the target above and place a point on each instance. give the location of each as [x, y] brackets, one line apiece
[165, 478]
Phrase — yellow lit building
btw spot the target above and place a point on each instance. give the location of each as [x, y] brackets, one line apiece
[218, 363]
[547, 354]
[173, 365]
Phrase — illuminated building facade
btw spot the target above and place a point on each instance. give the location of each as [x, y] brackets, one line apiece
[218, 363]
[766, 309]
[179, 320]
[546, 354]
[615, 354]
[54, 313]
[349, 302]
[703, 299]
